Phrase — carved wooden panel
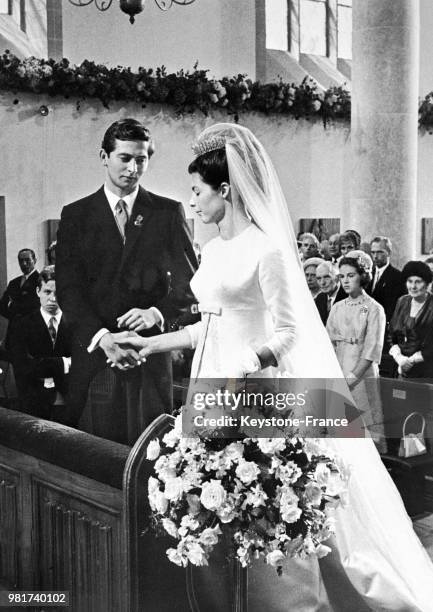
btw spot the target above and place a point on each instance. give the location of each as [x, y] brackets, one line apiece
[9, 526]
[79, 549]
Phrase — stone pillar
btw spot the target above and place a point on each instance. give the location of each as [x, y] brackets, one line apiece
[384, 133]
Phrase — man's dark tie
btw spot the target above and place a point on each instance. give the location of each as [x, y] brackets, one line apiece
[121, 217]
[52, 330]
[329, 305]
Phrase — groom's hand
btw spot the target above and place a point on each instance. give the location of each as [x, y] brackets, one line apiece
[118, 357]
[138, 319]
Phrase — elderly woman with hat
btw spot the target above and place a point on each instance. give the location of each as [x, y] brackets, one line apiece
[410, 331]
[356, 327]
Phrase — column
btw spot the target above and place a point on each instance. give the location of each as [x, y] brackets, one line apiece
[384, 132]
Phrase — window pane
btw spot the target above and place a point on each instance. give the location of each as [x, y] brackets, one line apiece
[345, 32]
[276, 24]
[345, 2]
[313, 27]
[4, 7]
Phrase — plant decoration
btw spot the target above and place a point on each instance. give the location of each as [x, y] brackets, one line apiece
[186, 91]
[272, 495]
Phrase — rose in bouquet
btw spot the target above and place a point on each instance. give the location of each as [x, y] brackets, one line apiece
[273, 495]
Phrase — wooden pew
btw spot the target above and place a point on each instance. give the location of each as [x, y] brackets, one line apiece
[413, 476]
[72, 516]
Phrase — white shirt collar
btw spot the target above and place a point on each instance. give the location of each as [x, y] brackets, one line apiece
[128, 199]
[47, 316]
[333, 295]
[381, 270]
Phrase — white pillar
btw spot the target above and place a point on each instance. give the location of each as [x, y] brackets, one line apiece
[384, 134]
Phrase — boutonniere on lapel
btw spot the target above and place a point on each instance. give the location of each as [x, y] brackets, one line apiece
[138, 221]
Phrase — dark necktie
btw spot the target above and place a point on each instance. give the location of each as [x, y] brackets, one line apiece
[329, 303]
[121, 217]
[52, 330]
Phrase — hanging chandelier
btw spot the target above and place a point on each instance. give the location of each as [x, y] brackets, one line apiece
[130, 7]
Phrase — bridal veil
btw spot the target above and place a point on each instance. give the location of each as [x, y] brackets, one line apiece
[375, 541]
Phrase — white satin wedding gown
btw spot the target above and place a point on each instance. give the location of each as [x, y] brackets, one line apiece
[378, 563]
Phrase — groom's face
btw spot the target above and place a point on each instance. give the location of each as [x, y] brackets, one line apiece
[125, 165]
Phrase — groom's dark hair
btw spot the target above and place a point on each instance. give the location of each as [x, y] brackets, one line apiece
[127, 129]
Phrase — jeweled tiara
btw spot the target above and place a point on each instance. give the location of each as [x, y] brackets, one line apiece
[208, 144]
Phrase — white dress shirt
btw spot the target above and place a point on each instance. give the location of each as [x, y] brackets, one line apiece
[47, 316]
[128, 199]
[378, 274]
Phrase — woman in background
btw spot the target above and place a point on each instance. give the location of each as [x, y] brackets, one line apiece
[410, 332]
[356, 327]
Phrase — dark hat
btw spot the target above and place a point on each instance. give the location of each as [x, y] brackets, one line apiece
[417, 268]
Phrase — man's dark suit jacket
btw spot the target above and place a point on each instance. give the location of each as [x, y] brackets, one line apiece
[34, 358]
[388, 289]
[99, 278]
[321, 301]
[18, 300]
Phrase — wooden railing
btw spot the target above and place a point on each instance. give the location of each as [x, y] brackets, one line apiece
[72, 517]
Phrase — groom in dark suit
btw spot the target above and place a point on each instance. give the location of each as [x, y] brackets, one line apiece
[124, 260]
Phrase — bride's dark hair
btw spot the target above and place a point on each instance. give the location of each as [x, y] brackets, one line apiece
[212, 167]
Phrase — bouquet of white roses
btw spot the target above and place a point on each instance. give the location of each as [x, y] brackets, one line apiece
[273, 494]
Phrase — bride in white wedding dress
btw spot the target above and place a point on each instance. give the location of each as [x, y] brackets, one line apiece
[258, 318]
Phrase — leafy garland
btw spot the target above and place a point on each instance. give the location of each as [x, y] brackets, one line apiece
[186, 91]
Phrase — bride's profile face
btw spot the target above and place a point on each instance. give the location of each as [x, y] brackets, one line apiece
[350, 279]
[207, 202]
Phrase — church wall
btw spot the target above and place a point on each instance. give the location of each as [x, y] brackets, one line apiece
[50, 161]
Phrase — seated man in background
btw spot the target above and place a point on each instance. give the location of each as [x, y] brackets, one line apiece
[330, 289]
[40, 347]
[20, 296]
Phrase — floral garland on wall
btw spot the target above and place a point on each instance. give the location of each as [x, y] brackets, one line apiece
[186, 91]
